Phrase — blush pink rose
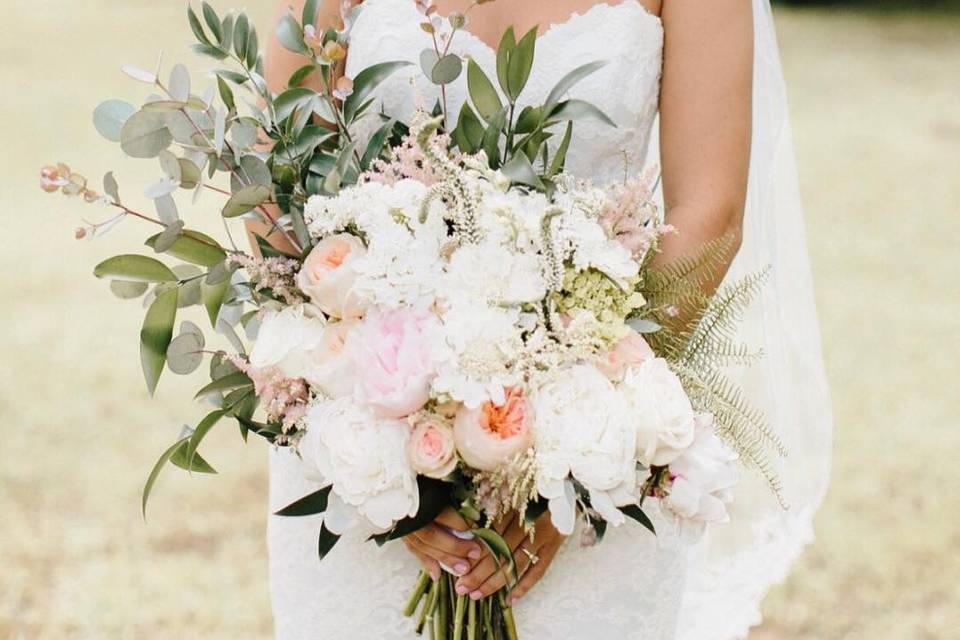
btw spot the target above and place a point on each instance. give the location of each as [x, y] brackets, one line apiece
[331, 369]
[630, 352]
[327, 275]
[393, 352]
[430, 449]
[490, 435]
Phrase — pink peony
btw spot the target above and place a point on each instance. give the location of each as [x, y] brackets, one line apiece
[430, 449]
[393, 352]
[327, 275]
[490, 435]
[630, 352]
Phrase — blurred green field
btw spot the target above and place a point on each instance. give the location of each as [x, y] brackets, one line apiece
[875, 102]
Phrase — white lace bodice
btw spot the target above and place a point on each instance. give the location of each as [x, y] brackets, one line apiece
[624, 35]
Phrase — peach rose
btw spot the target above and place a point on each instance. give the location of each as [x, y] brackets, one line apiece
[430, 449]
[331, 369]
[488, 436]
[327, 275]
[629, 353]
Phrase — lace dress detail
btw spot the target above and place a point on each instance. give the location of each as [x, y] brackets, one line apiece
[631, 585]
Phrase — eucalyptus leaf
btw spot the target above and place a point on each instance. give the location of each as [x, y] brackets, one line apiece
[213, 21]
[145, 134]
[244, 132]
[226, 25]
[245, 200]
[197, 27]
[168, 236]
[155, 336]
[166, 208]
[192, 246]
[110, 186]
[310, 10]
[185, 354]
[428, 60]
[139, 74]
[179, 88]
[110, 116]
[134, 268]
[128, 290]
[219, 130]
[251, 170]
[189, 173]
[447, 69]
[241, 32]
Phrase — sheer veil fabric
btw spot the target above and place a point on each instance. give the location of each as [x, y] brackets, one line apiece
[630, 586]
[730, 571]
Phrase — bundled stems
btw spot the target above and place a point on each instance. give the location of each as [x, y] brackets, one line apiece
[448, 616]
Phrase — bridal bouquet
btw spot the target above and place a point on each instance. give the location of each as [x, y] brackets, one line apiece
[437, 316]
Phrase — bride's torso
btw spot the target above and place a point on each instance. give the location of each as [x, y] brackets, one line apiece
[625, 35]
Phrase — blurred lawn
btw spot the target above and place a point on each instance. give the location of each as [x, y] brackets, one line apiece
[875, 108]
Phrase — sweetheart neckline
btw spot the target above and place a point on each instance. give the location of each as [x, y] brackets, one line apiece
[571, 19]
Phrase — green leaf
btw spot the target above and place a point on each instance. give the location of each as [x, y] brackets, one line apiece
[309, 505]
[155, 472]
[197, 27]
[366, 82]
[521, 62]
[290, 34]
[326, 542]
[375, 146]
[636, 513]
[228, 382]
[110, 186]
[560, 158]
[246, 200]
[214, 295]
[165, 239]
[434, 498]
[428, 60]
[293, 99]
[580, 110]
[226, 94]
[253, 50]
[156, 334]
[310, 9]
[482, 92]
[469, 132]
[226, 25]
[213, 21]
[110, 116]
[491, 138]
[208, 423]
[144, 134]
[568, 81]
[241, 32]
[447, 69]
[300, 75]
[179, 87]
[185, 353]
[192, 246]
[198, 464]
[498, 548]
[128, 290]
[528, 120]
[508, 43]
[519, 170]
[134, 268]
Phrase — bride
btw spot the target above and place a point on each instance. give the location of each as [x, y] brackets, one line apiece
[709, 72]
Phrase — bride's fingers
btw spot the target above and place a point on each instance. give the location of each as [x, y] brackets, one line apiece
[430, 565]
[459, 565]
[481, 573]
[451, 519]
[535, 570]
[441, 539]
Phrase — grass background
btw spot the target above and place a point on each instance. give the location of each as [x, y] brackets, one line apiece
[875, 99]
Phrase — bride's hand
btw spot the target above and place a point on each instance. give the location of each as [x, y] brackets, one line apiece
[434, 544]
[531, 560]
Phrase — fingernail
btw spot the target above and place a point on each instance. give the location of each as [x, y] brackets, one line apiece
[474, 554]
[462, 590]
[475, 595]
[461, 568]
[434, 574]
[513, 599]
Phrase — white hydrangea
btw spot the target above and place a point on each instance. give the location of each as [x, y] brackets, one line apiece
[490, 272]
[363, 458]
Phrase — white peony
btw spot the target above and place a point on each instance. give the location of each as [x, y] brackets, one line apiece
[701, 481]
[286, 339]
[661, 411]
[582, 430]
[330, 368]
[364, 459]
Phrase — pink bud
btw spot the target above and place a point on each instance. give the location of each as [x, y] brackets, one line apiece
[80, 233]
[49, 173]
[48, 185]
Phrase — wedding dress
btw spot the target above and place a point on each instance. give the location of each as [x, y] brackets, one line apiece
[633, 585]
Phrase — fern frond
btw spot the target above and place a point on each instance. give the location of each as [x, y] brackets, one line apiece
[696, 269]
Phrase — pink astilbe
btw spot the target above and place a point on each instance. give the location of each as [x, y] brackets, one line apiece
[409, 162]
[276, 274]
[284, 399]
[631, 217]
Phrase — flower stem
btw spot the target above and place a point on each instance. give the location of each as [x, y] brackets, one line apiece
[472, 620]
[458, 617]
[418, 592]
[509, 622]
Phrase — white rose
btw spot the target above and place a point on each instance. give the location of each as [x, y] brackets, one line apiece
[582, 429]
[330, 368]
[364, 459]
[661, 411]
[701, 481]
[286, 338]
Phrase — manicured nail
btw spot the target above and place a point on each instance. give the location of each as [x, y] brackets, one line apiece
[461, 590]
[474, 554]
[475, 595]
[461, 568]
[434, 574]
